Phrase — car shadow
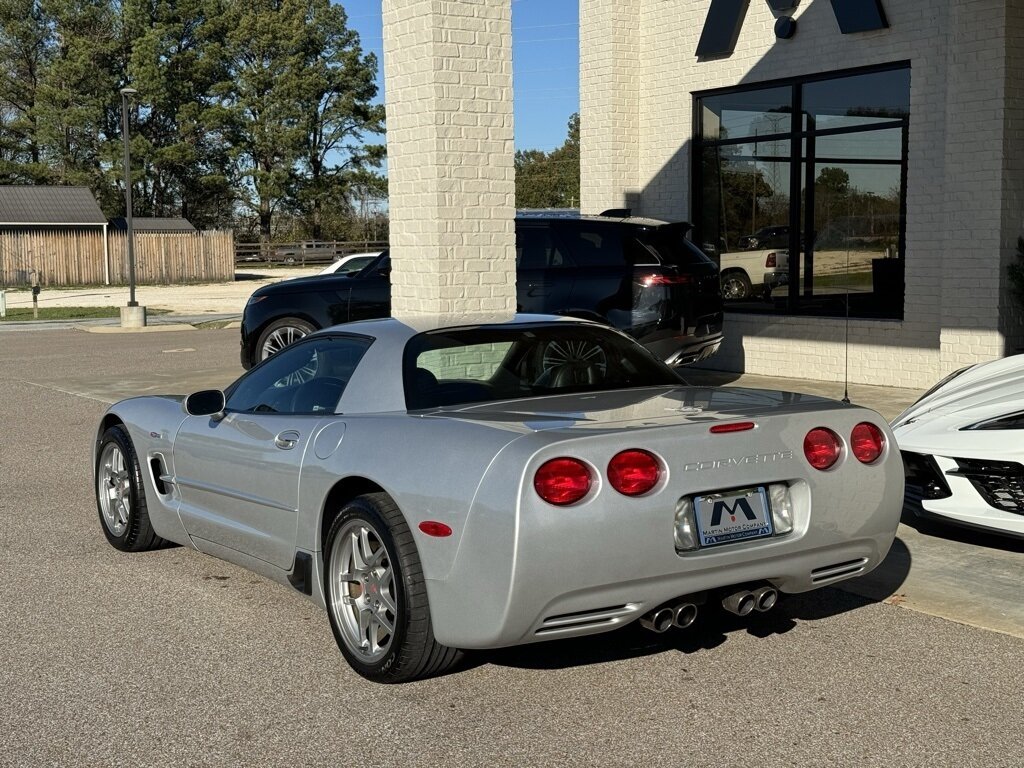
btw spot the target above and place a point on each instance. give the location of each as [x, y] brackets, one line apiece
[915, 516]
[713, 628]
[241, 277]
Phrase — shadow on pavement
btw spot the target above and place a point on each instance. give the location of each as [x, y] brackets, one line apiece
[915, 516]
[886, 580]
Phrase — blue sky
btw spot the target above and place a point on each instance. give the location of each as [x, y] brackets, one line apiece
[545, 64]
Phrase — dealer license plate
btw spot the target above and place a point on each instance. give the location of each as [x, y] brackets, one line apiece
[730, 516]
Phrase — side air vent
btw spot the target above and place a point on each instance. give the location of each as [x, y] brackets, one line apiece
[838, 571]
[160, 477]
[567, 622]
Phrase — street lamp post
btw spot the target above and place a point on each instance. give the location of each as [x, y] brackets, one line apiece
[135, 316]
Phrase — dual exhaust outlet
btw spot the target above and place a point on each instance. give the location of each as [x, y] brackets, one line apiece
[741, 603]
[680, 615]
[745, 602]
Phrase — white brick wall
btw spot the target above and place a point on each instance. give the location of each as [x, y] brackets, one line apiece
[609, 177]
[448, 83]
[965, 187]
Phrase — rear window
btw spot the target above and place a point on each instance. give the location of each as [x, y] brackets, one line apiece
[670, 245]
[476, 365]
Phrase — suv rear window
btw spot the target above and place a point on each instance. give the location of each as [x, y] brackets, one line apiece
[670, 245]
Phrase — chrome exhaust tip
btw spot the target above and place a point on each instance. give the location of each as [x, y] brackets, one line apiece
[740, 603]
[684, 614]
[765, 598]
[657, 621]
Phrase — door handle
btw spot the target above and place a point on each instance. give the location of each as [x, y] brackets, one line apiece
[287, 440]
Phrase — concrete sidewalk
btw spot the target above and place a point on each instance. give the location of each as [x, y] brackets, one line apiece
[888, 401]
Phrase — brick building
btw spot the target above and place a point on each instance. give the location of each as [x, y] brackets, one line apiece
[897, 198]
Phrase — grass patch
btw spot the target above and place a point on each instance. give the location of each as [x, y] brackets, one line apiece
[68, 313]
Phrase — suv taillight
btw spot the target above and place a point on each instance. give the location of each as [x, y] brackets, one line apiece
[667, 280]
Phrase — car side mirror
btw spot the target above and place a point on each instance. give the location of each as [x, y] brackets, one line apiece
[208, 402]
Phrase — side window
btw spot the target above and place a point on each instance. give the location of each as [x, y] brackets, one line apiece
[308, 377]
[536, 248]
[594, 246]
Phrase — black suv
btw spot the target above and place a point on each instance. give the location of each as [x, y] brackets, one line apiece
[639, 275]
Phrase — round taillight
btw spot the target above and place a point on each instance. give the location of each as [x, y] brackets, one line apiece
[822, 448]
[867, 442]
[562, 481]
[633, 472]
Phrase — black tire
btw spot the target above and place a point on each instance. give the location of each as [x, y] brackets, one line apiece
[411, 653]
[735, 285]
[118, 477]
[279, 334]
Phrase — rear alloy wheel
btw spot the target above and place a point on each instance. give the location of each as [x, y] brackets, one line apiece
[279, 334]
[120, 496]
[735, 285]
[376, 596]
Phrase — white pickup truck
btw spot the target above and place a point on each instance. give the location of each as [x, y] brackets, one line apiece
[748, 274]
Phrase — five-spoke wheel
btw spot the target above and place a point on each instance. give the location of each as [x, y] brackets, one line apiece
[120, 495]
[376, 595]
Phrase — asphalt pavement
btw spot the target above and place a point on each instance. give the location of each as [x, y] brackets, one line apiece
[172, 657]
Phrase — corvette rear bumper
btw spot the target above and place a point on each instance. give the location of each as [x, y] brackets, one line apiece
[563, 572]
[604, 607]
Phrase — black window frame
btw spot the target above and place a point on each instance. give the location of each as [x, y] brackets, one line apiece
[800, 177]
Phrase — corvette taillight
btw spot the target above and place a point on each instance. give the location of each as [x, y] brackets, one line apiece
[822, 448]
[633, 472]
[867, 442]
[562, 481]
[771, 260]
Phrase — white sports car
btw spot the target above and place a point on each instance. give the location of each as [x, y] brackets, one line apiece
[440, 487]
[963, 447]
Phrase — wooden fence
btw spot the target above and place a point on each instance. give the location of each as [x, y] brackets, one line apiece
[76, 256]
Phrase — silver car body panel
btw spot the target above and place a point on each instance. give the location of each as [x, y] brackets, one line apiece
[517, 569]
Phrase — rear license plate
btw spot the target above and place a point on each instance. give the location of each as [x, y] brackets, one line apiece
[730, 516]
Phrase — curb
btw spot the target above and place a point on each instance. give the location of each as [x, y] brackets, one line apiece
[145, 329]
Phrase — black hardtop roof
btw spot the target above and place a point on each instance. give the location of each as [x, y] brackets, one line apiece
[608, 218]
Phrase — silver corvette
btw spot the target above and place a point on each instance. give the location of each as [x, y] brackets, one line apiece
[440, 487]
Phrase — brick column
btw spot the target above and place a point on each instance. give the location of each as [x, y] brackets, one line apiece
[610, 68]
[451, 179]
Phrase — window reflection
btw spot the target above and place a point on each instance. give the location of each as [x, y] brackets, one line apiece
[840, 244]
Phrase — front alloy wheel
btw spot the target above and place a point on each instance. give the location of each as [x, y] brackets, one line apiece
[121, 495]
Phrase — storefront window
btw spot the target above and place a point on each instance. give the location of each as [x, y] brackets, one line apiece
[807, 219]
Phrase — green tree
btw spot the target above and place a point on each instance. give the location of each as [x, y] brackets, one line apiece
[295, 94]
[550, 180]
[77, 97]
[336, 85]
[25, 47]
[176, 59]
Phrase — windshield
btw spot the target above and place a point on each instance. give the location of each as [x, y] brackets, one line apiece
[476, 365]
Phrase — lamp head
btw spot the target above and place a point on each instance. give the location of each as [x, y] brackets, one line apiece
[128, 91]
